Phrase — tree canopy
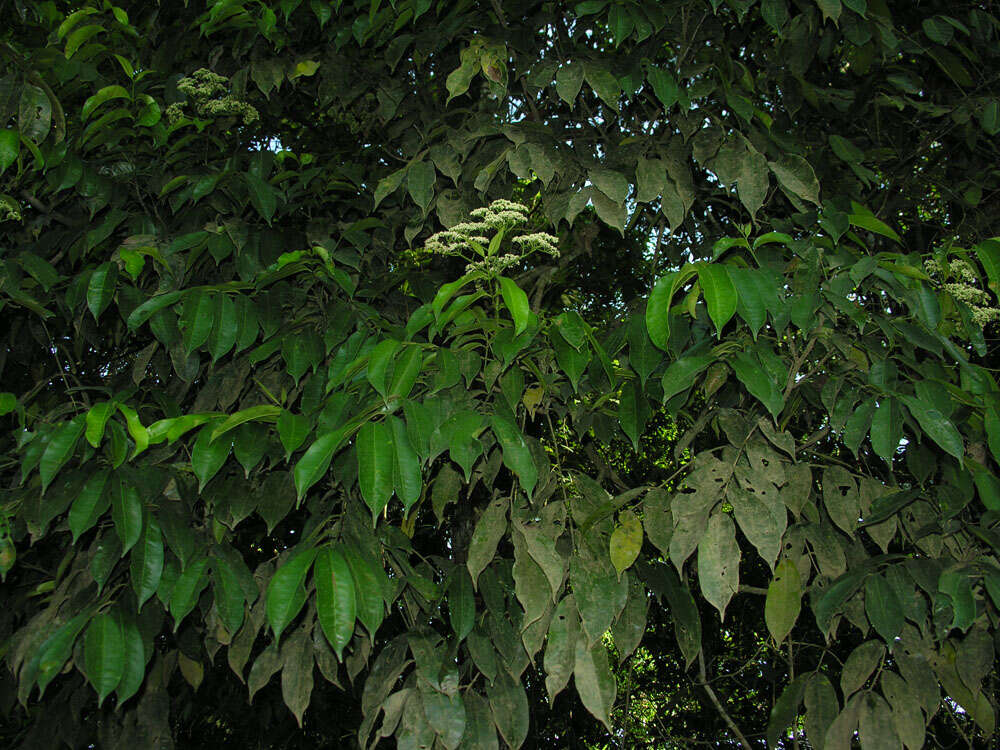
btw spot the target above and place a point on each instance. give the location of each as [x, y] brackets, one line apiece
[462, 374]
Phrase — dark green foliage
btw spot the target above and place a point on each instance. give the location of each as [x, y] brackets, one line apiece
[433, 354]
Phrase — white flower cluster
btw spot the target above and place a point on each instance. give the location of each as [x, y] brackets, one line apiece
[494, 264]
[965, 287]
[540, 241]
[500, 215]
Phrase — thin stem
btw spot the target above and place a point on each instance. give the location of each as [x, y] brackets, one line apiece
[718, 704]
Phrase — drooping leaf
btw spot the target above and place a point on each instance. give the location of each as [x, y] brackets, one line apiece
[147, 561]
[104, 653]
[376, 460]
[60, 448]
[516, 455]
[335, 598]
[285, 592]
[516, 302]
[784, 600]
[594, 681]
[626, 541]
[720, 294]
[719, 562]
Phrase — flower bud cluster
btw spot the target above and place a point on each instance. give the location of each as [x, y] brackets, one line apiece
[963, 284]
[207, 93]
[500, 215]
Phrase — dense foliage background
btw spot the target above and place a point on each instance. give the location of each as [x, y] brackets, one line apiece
[469, 374]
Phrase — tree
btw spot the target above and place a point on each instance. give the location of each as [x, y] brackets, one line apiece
[601, 373]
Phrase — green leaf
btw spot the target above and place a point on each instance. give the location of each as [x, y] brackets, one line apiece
[227, 571]
[106, 94]
[759, 383]
[821, 706]
[509, 704]
[595, 683]
[146, 563]
[60, 449]
[316, 460]
[754, 292]
[936, 426]
[875, 725]
[92, 503]
[600, 593]
[887, 428]
[367, 590]
[516, 302]
[336, 607]
[989, 118]
[660, 302]
[127, 512]
[104, 655]
[407, 476]
[225, 327]
[285, 593]
[187, 588]
[57, 648]
[208, 456]
[682, 373]
[642, 354]
[613, 184]
[604, 84]
[459, 79]
[376, 461]
[719, 562]
[10, 147]
[490, 529]
[774, 13]
[197, 319]
[151, 306]
[626, 541]
[134, 671]
[461, 602]
[955, 583]
[883, 607]
[263, 196]
[664, 85]
[988, 487]
[797, 177]
[784, 712]
[378, 364]
[101, 288]
[446, 292]
[720, 294]
[406, 371]
[862, 218]
[136, 430]
[420, 180]
[261, 412]
[388, 185]
[560, 649]
[516, 455]
[859, 666]
[293, 429]
[569, 81]
[831, 9]
[784, 600]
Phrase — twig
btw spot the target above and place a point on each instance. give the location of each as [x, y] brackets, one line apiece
[718, 705]
[821, 433]
[36, 204]
[498, 9]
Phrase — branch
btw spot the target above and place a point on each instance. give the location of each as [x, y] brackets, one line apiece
[718, 705]
[36, 204]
